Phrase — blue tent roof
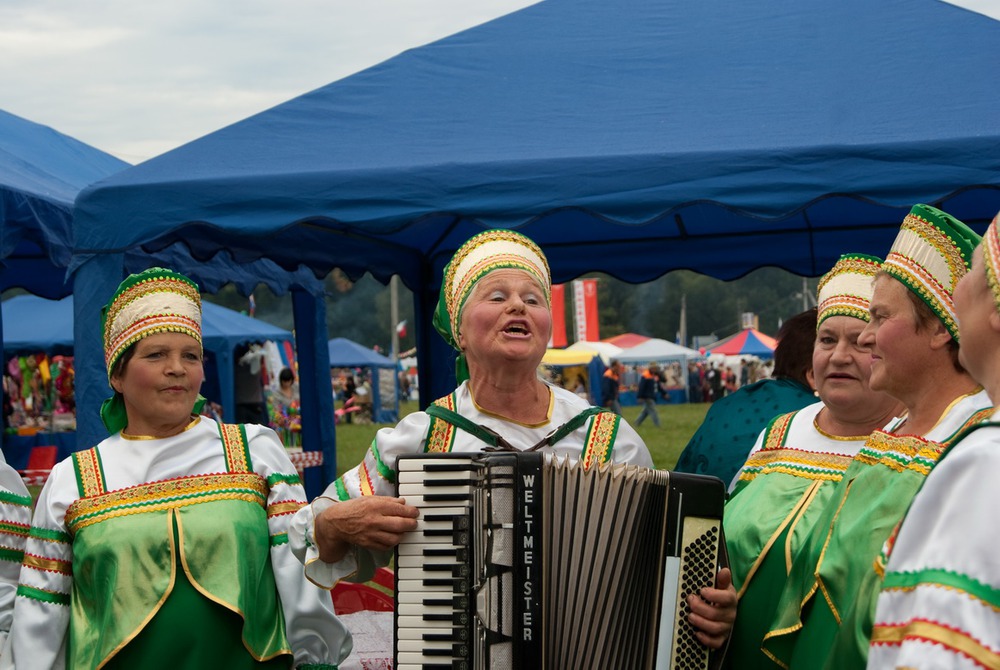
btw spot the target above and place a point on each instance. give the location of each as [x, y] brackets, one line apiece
[664, 134]
[345, 353]
[41, 173]
[631, 137]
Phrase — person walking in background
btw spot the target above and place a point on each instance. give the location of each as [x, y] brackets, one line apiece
[721, 444]
[649, 385]
[610, 385]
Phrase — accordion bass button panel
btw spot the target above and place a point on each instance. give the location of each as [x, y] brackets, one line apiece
[434, 566]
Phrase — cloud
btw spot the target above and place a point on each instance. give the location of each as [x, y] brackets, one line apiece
[137, 79]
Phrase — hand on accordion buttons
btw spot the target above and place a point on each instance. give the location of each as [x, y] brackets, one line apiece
[714, 611]
[372, 522]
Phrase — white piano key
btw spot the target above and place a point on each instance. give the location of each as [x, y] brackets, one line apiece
[408, 490]
[417, 586]
[420, 659]
[418, 548]
[418, 623]
[421, 609]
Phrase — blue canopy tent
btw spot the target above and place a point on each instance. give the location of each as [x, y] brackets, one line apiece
[41, 173]
[631, 137]
[34, 324]
[345, 353]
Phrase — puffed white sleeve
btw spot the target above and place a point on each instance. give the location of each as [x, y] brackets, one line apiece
[40, 628]
[629, 447]
[939, 605]
[15, 521]
[375, 475]
[317, 637]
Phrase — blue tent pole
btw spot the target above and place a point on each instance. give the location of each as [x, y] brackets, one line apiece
[3, 422]
[315, 390]
[101, 275]
[435, 359]
[227, 390]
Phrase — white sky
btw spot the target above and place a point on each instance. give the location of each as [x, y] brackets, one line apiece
[137, 78]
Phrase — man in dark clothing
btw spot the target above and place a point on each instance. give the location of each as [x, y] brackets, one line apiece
[609, 387]
[649, 384]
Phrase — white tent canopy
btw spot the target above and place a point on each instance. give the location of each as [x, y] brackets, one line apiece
[605, 350]
[657, 350]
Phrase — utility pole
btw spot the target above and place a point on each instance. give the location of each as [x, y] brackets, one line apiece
[394, 314]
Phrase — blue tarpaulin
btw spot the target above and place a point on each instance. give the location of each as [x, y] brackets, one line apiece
[631, 137]
[41, 173]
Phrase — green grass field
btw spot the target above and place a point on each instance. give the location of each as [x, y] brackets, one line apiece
[677, 424]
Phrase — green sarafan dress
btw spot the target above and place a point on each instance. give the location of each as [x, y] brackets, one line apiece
[172, 553]
[131, 598]
[780, 492]
[826, 610]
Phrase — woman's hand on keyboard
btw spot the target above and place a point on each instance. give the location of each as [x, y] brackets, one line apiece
[372, 522]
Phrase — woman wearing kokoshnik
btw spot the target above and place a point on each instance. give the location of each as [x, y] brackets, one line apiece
[495, 309]
[940, 601]
[793, 469]
[826, 610]
[165, 546]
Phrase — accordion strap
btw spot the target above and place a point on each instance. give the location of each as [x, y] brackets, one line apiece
[495, 441]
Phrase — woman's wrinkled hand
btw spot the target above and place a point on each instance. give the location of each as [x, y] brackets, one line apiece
[372, 522]
[713, 610]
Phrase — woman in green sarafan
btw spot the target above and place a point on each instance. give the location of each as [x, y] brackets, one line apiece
[165, 546]
[798, 459]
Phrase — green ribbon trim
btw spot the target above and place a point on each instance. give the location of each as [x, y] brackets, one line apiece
[946, 578]
[384, 470]
[279, 539]
[50, 535]
[341, 490]
[11, 555]
[282, 478]
[14, 499]
[42, 595]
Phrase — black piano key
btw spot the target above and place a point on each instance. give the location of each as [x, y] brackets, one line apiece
[445, 497]
[448, 482]
[444, 466]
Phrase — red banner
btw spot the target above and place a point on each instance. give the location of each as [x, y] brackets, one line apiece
[585, 310]
[558, 338]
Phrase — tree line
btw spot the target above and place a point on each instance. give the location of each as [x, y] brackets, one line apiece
[360, 310]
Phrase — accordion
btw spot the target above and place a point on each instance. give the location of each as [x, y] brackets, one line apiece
[523, 560]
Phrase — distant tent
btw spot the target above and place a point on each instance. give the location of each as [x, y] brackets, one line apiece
[32, 324]
[568, 357]
[606, 350]
[626, 340]
[748, 342]
[573, 362]
[655, 349]
[345, 353]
